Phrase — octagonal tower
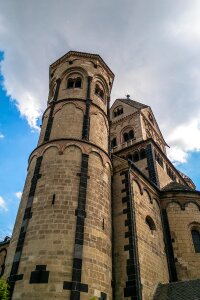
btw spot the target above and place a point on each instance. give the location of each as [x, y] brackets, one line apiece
[61, 244]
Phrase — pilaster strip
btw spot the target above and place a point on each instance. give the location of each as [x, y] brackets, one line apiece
[75, 285]
[113, 283]
[169, 247]
[50, 119]
[86, 118]
[27, 215]
[151, 165]
[109, 125]
[133, 284]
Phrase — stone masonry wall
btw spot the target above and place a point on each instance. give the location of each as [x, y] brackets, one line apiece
[182, 220]
[151, 248]
[152, 256]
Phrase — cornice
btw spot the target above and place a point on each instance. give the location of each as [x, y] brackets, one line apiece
[85, 55]
[73, 100]
[70, 139]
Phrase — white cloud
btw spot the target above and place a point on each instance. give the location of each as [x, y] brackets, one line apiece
[153, 49]
[2, 136]
[3, 206]
[184, 139]
[177, 155]
[18, 195]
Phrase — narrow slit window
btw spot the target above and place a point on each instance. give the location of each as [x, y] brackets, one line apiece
[53, 199]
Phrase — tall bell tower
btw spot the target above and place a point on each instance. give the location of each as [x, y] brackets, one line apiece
[61, 244]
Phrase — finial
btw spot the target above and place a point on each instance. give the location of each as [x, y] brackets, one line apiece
[128, 96]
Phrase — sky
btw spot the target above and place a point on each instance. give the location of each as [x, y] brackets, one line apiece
[152, 47]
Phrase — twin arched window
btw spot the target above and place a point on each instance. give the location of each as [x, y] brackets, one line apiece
[128, 135]
[118, 111]
[137, 155]
[74, 83]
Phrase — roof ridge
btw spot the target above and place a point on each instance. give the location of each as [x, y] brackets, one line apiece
[133, 103]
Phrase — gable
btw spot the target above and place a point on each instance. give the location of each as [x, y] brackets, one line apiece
[127, 110]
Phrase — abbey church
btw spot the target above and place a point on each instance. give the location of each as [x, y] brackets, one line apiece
[104, 214]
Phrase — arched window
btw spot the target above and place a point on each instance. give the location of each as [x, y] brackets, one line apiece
[142, 153]
[150, 222]
[113, 142]
[74, 83]
[118, 111]
[136, 156]
[128, 135]
[99, 91]
[196, 240]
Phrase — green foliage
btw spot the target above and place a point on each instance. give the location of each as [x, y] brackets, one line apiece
[4, 290]
[93, 298]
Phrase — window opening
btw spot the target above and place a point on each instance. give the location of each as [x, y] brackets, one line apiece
[130, 157]
[142, 153]
[125, 137]
[113, 142]
[78, 83]
[128, 135]
[118, 111]
[149, 221]
[196, 240]
[70, 84]
[74, 83]
[99, 92]
[135, 156]
[53, 199]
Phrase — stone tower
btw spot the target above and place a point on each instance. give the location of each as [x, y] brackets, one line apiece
[61, 244]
